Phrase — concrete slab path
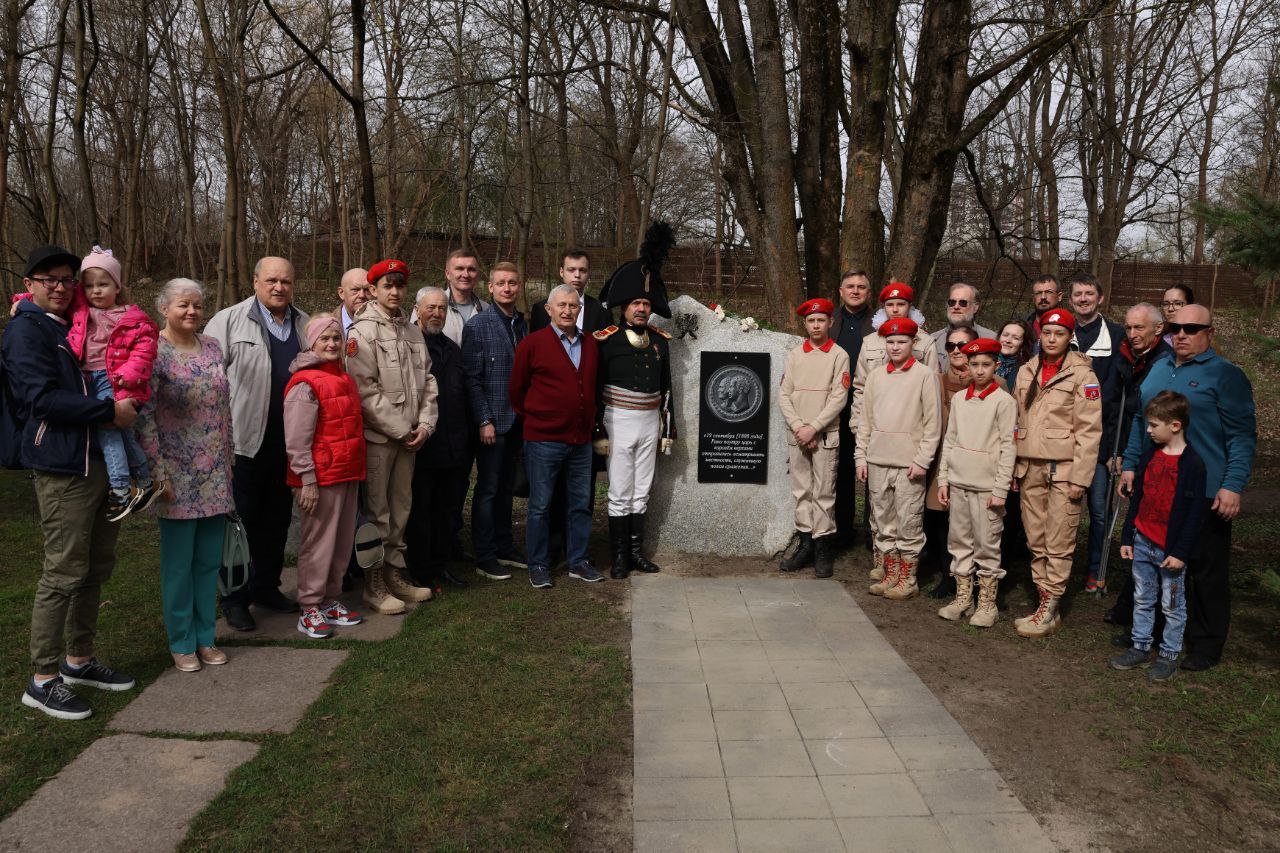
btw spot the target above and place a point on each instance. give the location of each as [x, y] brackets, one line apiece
[770, 714]
[125, 793]
[263, 689]
[284, 626]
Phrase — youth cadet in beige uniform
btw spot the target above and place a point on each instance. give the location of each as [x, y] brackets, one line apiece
[387, 358]
[898, 432]
[973, 482]
[1059, 429]
[895, 299]
[815, 387]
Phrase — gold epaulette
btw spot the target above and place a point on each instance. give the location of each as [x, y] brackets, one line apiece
[662, 332]
[603, 334]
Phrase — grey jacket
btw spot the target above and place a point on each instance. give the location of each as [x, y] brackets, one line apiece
[246, 352]
[453, 321]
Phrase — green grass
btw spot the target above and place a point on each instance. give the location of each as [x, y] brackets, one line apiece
[470, 729]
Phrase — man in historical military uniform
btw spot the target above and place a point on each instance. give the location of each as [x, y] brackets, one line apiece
[634, 405]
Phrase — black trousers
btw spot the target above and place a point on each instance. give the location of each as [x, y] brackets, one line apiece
[846, 508]
[264, 503]
[436, 502]
[1209, 590]
[1013, 541]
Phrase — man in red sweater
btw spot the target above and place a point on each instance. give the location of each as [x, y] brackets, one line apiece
[553, 388]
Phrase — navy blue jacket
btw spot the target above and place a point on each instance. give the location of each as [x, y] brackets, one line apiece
[487, 356]
[47, 385]
[1189, 504]
[1104, 358]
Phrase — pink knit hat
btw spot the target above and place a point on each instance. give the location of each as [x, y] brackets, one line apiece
[316, 327]
[102, 259]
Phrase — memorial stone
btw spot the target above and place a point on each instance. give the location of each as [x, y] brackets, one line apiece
[733, 518]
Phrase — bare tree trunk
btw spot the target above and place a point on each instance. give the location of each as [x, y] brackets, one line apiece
[524, 119]
[86, 29]
[13, 14]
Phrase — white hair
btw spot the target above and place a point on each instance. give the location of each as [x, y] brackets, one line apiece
[424, 292]
[564, 288]
[1153, 313]
[175, 287]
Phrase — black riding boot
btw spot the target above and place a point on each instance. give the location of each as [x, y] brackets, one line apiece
[620, 545]
[638, 560]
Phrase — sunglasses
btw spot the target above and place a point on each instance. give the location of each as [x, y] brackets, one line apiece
[951, 346]
[958, 303]
[1187, 328]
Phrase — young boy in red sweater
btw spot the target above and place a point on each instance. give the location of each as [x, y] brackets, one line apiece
[1160, 533]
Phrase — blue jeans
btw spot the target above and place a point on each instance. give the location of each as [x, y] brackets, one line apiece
[544, 460]
[1097, 498]
[491, 500]
[124, 456]
[1170, 587]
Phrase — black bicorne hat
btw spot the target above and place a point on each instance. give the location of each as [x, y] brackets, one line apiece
[642, 278]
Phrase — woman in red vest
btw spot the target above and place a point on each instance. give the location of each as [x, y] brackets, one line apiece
[324, 437]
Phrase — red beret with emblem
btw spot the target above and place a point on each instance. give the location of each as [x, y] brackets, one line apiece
[381, 268]
[897, 290]
[981, 346]
[901, 326]
[1058, 317]
[817, 306]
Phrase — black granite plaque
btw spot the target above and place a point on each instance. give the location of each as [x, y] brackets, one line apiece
[733, 418]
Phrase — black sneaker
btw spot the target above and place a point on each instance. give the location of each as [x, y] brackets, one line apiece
[586, 572]
[274, 599]
[56, 699]
[119, 505]
[491, 570]
[144, 497]
[540, 577]
[1131, 659]
[513, 559]
[1163, 669]
[94, 674]
[239, 617]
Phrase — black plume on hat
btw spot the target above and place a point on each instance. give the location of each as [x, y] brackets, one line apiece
[642, 278]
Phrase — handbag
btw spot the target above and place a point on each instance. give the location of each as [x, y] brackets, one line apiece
[236, 562]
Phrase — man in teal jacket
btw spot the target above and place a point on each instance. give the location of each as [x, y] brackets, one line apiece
[1223, 430]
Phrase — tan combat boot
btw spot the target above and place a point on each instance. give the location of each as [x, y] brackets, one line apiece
[403, 588]
[376, 594]
[877, 564]
[987, 613]
[890, 561]
[1045, 620]
[963, 605]
[904, 586]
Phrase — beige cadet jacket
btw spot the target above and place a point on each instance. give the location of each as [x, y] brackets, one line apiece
[873, 355]
[978, 449]
[387, 357]
[900, 421]
[1064, 422]
[815, 386]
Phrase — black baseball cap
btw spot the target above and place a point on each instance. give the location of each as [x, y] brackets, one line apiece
[47, 256]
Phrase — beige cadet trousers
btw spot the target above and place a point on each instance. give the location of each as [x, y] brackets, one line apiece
[813, 485]
[974, 536]
[897, 510]
[1052, 521]
[388, 496]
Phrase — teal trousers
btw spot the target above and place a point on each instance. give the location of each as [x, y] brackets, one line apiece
[190, 556]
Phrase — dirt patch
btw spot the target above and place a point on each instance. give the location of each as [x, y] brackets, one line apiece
[1048, 716]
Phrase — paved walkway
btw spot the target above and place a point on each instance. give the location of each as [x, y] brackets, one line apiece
[770, 714]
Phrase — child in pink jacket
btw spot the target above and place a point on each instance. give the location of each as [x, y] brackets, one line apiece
[116, 343]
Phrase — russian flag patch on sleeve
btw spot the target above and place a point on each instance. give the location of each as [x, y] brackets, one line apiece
[1092, 392]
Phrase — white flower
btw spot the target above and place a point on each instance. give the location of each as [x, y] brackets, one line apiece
[718, 310]
[749, 324]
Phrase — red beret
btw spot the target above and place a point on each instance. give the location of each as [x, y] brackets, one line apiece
[381, 268]
[897, 290]
[981, 346]
[816, 306]
[901, 326]
[1058, 317]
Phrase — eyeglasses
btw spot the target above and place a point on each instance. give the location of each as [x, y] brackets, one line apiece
[51, 283]
[957, 303]
[1178, 303]
[1187, 328]
[954, 345]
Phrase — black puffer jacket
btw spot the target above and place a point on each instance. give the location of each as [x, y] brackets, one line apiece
[448, 445]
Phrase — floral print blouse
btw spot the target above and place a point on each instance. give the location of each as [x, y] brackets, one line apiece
[185, 430]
